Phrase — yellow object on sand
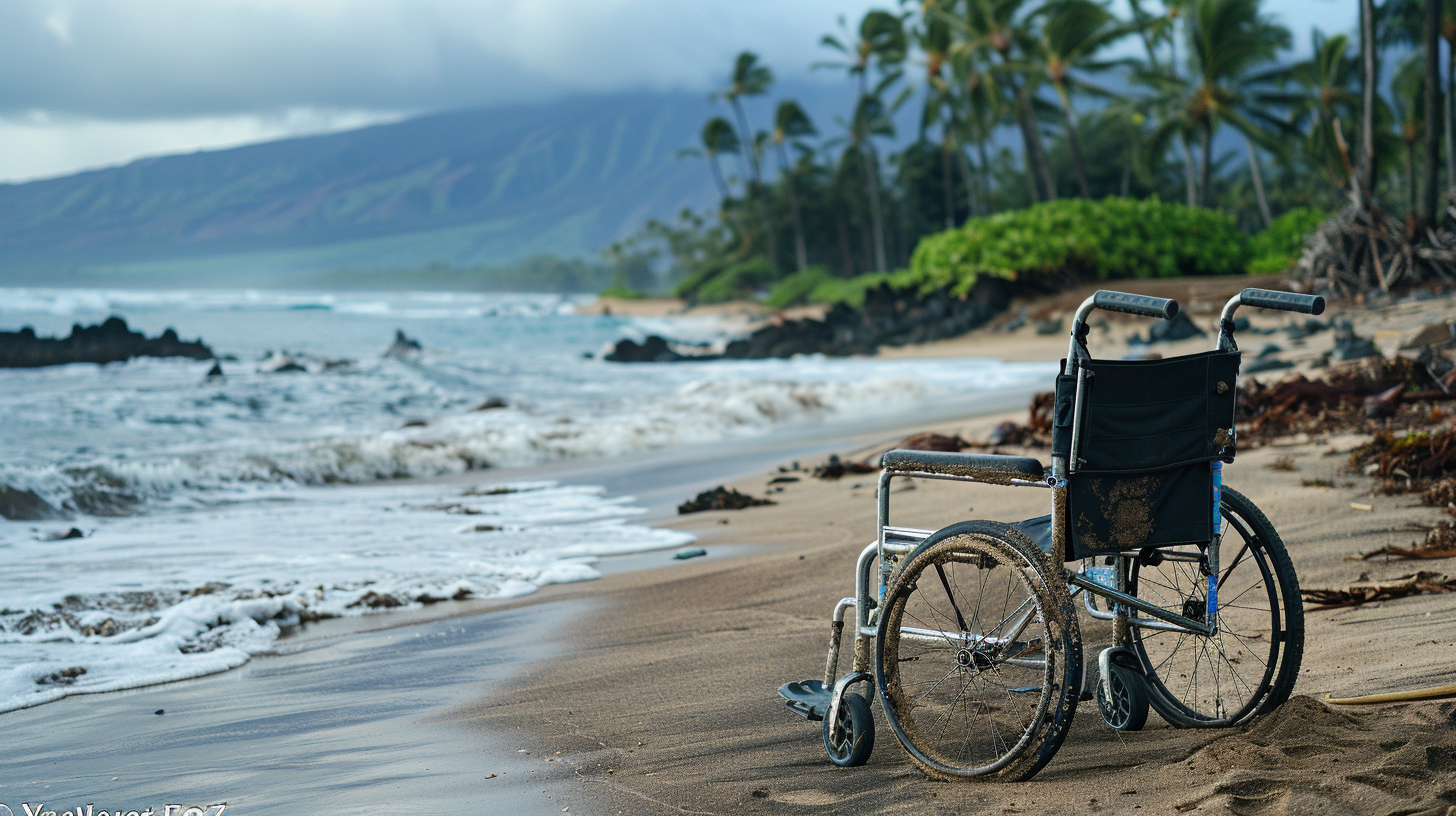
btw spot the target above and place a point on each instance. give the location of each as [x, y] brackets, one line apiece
[1432, 693]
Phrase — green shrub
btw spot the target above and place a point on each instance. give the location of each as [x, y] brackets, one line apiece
[1112, 238]
[621, 293]
[1279, 246]
[743, 279]
[797, 288]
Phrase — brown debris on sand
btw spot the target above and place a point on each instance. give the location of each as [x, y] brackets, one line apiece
[1036, 433]
[1365, 591]
[835, 468]
[1440, 542]
[1369, 395]
[720, 498]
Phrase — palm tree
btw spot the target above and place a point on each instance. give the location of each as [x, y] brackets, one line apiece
[791, 123]
[881, 40]
[1073, 32]
[1408, 92]
[1227, 39]
[994, 26]
[749, 78]
[1156, 31]
[1329, 79]
[718, 137]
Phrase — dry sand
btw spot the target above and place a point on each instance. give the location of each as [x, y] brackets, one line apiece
[663, 701]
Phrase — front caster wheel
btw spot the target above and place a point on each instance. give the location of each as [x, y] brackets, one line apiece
[1128, 708]
[850, 738]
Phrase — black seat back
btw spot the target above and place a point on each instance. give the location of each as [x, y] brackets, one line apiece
[1150, 429]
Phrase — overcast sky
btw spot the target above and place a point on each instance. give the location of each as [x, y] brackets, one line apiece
[89, 83]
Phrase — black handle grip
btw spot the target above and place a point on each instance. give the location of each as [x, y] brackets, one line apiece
[1166, 308]
[1283, 301]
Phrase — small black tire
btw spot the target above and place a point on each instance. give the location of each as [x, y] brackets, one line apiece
[850, 739]
[1128, 708]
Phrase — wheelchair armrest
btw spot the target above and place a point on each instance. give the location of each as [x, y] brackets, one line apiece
[982, 467]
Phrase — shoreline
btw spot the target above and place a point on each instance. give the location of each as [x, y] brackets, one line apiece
[658, 691]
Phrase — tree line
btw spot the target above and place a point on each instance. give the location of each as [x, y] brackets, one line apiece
[1099, 105]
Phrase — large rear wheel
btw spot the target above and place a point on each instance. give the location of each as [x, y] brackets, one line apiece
[1250, 666]
[979, 654]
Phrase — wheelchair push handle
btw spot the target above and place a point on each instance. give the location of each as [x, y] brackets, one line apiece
[1144, 305]
[1283, 301]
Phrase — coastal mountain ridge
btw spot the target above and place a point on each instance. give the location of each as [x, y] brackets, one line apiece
[479, 187]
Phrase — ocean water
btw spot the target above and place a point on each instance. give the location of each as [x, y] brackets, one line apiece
[218, 510]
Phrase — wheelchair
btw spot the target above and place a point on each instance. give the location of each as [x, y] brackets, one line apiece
[969, 634]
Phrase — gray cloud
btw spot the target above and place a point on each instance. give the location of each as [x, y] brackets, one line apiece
[124, 59]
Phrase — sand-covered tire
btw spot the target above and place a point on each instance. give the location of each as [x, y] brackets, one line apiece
[978, 655]
[851, 737]
[1250, 667]
[1127, 710]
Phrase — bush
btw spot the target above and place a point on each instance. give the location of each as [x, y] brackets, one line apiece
[1279, 246]
[621, 293]
[743, 279]
[1077, 238]
[798, 288]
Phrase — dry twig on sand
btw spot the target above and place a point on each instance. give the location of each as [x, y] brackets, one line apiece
[1365, 591]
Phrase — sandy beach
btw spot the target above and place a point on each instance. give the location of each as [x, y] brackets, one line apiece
[652, 690]
[663, 702]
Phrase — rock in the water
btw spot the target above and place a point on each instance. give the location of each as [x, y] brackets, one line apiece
[655, 349]
[889, 317]
[110, 342]
[74, 532]
[720, 498]
[215, 373]
[492, 404]
[25, 505]
[403, 347]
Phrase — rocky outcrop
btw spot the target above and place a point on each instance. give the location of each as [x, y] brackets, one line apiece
[888, 317]
[109, 342]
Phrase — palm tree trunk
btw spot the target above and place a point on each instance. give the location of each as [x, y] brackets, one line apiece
[718, 175]
[801, 252]
[1258, 182]
[1041, 184]
[1410, 177]
[1432, 166]
[972, 185]
[877, 219]
[985, 178]
[1074, 142]
[1206, 171]
[1190, 171]
[1450, 113]
[1367, 101]
[764, 205]
[745, 138]
[947, 186]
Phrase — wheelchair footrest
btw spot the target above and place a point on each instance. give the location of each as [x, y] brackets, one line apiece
[807, 698]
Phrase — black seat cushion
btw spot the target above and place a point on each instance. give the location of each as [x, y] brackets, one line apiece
[983, 467]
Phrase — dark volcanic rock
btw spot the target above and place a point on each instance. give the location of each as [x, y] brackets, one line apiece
[888, 318]
[720, 498]
[110, 342]
[655, 349]
[1351, 346]
[1181, 327]
[24, 505]
[403, 347]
